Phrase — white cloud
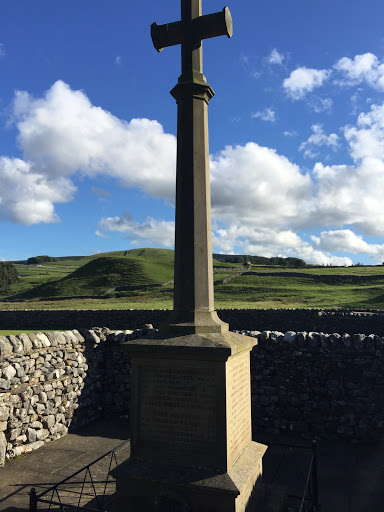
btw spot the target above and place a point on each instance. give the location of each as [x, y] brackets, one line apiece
[2, 50]
[27, 196]
[348, 195]
[303, 80]
[320, 105]
[290, 133]
[118, 60]
[268, 114]
[275, 57]
[346, 240]
[366, 139]
[100, 234]
[270, 242]
[317, 139]
[157, 232]
[362, 68]
[254, 184]
[62, 134]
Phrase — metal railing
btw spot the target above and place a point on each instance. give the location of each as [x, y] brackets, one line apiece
[90, 489]
[307, 499]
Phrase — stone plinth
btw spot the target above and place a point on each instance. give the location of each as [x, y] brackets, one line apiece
[191, 428]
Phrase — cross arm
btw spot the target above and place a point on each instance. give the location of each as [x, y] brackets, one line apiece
[203, 27]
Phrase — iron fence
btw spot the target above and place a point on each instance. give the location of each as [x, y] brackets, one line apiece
[90, 489]
[296, 468]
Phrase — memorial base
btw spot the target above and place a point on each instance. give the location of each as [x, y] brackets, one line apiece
[191, 430]
[159, 487]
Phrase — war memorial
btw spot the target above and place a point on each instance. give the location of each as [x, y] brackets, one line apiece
[191, 432]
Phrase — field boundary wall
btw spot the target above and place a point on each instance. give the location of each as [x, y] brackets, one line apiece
[333, 320]
[326, 386]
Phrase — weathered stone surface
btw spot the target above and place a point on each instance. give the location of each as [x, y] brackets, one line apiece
[31, 435]
[61, 340]
[5, 346]
[9, 372]
[27, 343]
[16, 344]
[3, 448]
[44, 339]
[5, 384]
[290, 337]
[327, 387]
[4, 412]
[36, 341]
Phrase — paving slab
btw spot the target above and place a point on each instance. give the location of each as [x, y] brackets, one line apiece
[351, 475]
[57, 460]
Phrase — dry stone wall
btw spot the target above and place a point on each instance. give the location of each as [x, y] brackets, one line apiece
[316, 384]
[334, 320]
[49, 381]
[319, 385]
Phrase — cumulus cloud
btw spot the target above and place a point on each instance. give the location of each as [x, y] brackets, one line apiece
[348, 195]
[366, 139]
[317, 139]
[100, 234]
[320, 105]
[254, 184]
[268, 114]
[272, 242]
[62, 134]
[157, 232]
[348, 241]
[27, 196]
[275, 57]
[303, 80]
[362, 68]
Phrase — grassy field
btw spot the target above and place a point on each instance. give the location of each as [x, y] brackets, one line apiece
[98, 276]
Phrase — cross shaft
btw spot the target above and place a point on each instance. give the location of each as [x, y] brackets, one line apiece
[193, 309]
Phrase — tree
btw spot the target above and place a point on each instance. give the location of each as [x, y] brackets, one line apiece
[37, 260]
[8, 275]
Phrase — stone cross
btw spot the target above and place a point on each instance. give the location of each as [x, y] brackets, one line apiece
[191, 429]
[193, 309]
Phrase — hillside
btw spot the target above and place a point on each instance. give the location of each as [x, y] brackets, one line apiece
[111, 280]
[100, 275]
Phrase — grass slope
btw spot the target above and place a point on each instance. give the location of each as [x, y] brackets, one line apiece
[300, 292]
[99, 275]
[102, 274]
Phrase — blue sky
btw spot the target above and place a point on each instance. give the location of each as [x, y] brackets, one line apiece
[88, 128]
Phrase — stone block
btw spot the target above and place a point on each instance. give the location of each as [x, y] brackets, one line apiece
[36, 342]
[27, 343]
[16, 344]
[44, 339]
[5, 346]
[3, 448]
[4, 412]
[5, 384]
[31, 435]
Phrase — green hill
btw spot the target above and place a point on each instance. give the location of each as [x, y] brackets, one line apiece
[106, 279]
[101, 274]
